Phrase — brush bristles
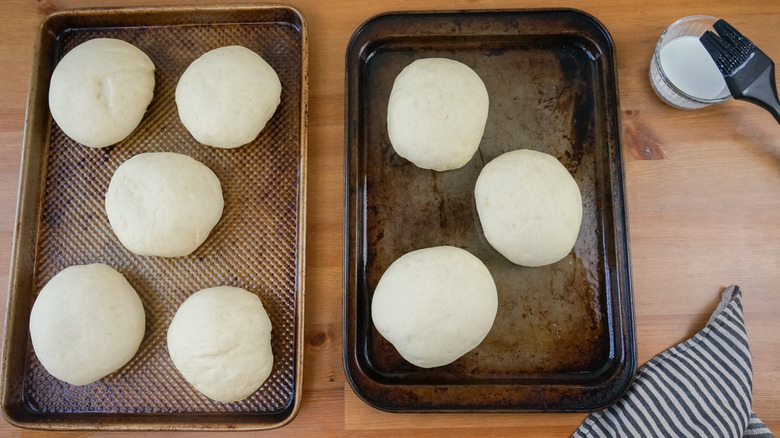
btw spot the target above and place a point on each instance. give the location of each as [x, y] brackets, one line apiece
[729, 48]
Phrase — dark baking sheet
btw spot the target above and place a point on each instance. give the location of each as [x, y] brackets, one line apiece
[563, 339]
[258, 243]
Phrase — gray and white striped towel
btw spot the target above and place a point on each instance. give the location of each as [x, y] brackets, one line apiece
[700, 388]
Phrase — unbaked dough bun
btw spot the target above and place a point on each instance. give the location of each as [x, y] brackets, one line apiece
[220, 341]
[99, 91]
[529, 206]
[226, 97]
[436, 114]
[163, 204]
[86, 323]
[435, 305]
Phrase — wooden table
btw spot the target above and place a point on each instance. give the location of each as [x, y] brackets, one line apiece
[703, 199]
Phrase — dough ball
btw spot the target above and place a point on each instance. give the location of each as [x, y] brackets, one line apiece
[86, 323]
[226, 96]
[435, 305]
[99, 91]
[530, 207]
[163, 204]
[436, 114]
[220, 341]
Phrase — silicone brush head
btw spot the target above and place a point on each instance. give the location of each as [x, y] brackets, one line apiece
[728, 48]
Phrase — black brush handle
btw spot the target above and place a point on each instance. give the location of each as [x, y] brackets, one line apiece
[762, 91]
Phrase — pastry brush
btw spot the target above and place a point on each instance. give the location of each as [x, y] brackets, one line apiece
[749, 72]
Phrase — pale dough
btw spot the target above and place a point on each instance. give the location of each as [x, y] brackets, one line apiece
[220, 341]
[437, 113]
[226, 97]
[86, 323]
[99, 91]
[529, 206]
[435, 305]
[163, 204]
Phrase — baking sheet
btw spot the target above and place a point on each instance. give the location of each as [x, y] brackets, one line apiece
[258, 243]
[563, 338]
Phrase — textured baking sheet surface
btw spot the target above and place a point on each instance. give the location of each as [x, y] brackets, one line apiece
[560, 328]
[256, 245]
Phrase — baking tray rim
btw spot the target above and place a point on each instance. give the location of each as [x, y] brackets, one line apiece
[71, 421]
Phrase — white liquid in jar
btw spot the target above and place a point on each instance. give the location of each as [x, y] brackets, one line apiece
[690, 68]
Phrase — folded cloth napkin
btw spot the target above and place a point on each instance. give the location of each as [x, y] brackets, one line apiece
[700, 388]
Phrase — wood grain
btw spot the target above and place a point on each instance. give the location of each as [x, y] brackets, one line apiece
[703, 198]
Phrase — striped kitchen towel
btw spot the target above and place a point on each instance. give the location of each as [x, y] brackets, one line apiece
[700, 388]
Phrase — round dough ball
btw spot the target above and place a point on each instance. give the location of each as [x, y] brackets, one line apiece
[163, 204]
[99, 91]
[530, 207]
[220, 341]
[86, 323]
[226, 96]
[435, 305]
[436, 114]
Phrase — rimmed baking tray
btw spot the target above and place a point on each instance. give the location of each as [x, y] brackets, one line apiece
[563, 339]
[258, 244]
